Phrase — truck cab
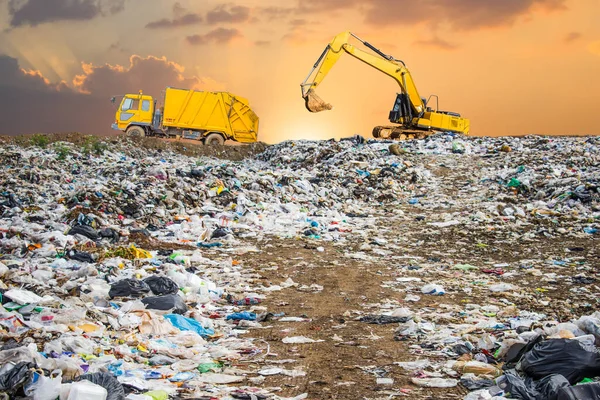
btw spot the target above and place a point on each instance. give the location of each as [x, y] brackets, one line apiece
[135, 110]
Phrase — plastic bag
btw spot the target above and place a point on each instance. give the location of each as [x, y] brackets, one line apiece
[383, 319]
[476, 367]
[161, 285]
[168, 302]
[128, 288]
[12, 380]
[46, 388]
[567, 357]
[527, 389]
[248, 316]
[84, 230]
[188, 324]
[107, 381]
[579, 392]
[590, 325]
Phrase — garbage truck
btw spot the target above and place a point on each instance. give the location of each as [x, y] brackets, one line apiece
[209, 117]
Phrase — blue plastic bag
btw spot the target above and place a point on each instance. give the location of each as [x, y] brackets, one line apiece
[248, 316]
[188, 324]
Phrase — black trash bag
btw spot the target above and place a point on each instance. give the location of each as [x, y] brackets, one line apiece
[107, 381]
[219, 233]
[476, 384]
[80, 256]
[580, 392]
[514, 355]
[546, 388]
[128, 288]
[110, 234]
[161, 285]
[567, 357]
[383, 319]
[166, 302]
[13, 380]
[84, 230]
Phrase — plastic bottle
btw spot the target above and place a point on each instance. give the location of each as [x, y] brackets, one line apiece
[203, 294]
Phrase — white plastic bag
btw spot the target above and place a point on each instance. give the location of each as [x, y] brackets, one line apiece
[46, 388]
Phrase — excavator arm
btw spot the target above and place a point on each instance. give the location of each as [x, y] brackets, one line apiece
[382, 62]
[410, 110]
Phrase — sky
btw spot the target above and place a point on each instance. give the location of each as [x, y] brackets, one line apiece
[513, 67]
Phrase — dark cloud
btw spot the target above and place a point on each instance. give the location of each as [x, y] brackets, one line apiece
[459, 14]
[312, 6]
[272, 13]
[35, 12]
[436, 43]
[572, 37]
[30, 103]
[262, 43]
[181, 17]
[298, 22]
[226, 13]
[219, 36]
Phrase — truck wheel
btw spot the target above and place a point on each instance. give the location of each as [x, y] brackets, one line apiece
[135, 131]
[214, 139]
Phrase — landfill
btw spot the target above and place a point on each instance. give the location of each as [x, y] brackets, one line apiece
[447, 267]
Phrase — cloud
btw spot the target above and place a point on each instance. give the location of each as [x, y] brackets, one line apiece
[262, 43]
[272, 13]
[219, 36]
[436, 43]
[181, 18]
[316, 6]
[36, 12]
[38, 105]
[298, 22]
[572, 37]
[459, 14]
[226, 13]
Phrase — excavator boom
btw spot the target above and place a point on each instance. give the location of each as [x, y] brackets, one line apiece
[410, 110]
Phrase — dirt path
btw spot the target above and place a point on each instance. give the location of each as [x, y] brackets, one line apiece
[352, 355]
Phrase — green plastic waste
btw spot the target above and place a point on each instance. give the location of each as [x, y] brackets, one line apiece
[209, 367]
[157, 395]
[585, 380]
[514, 182]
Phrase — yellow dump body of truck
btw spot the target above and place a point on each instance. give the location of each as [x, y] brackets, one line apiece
[199, 113]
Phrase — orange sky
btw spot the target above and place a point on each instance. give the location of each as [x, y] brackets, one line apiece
[511, 66]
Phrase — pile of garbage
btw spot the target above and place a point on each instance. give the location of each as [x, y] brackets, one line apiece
[123, 273]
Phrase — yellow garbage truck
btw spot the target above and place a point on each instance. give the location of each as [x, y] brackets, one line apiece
[209, 117]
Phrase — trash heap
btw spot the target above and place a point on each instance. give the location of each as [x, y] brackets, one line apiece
[123, 273]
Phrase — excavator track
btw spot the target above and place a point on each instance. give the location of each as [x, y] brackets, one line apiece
[399, 133]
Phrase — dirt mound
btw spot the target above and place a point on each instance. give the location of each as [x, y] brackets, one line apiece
[234, 151]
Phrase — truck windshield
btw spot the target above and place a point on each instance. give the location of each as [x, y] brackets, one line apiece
[130, 104]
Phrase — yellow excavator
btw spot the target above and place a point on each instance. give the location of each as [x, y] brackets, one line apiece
[411, 114]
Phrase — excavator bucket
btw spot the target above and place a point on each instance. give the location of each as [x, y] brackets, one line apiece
[314, 103]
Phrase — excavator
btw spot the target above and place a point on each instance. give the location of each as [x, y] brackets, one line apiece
[411, 115]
